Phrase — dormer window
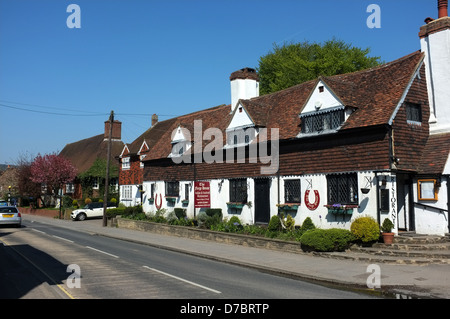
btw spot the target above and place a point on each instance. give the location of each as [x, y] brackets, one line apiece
[322, 121]
[241, 136]
[180, 142]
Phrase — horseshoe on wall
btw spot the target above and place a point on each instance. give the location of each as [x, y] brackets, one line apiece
[315, 204]
[156, 201]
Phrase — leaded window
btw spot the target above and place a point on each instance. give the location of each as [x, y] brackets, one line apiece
[413, 112]
[172, 188]
[292, 191]
[318, 122]
[342, 189]
[238, 190]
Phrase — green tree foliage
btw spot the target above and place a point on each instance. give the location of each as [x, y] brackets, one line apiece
[295, 63]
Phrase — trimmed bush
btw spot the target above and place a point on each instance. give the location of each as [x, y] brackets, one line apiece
[274, 224]
[365, 229]
[326, 240]
[180, 212]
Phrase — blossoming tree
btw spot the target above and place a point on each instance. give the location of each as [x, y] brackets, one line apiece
[52, 170]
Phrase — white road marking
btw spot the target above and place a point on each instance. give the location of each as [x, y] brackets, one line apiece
[103, 252]
[183, 280]
[39, 231]
[70, 241]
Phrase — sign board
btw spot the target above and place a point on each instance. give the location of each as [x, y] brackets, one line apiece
[202, 195]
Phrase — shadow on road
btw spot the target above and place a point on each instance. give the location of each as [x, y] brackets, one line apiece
[23, 268]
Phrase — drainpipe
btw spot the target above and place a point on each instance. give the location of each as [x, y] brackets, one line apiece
[448, 202]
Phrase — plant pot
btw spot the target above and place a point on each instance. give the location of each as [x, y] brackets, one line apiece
[388, 238]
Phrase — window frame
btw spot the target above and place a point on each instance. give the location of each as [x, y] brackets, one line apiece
[238, 192]
[341, 188]
[420, 191]
[172, 188]
[323, 121]
[289, 198]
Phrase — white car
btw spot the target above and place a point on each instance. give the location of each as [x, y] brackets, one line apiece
[10, 215]
[89, 211]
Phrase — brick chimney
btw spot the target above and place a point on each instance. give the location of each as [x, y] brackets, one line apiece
[154, 119]
[244, 85]
[435, 44]
[443, 8]
[116, 130]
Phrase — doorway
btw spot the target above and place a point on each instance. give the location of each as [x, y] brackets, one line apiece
[262, 200]
[405, 213]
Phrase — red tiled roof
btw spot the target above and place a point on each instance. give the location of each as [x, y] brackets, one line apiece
[374, 93]
[436, 154]
[83, 153]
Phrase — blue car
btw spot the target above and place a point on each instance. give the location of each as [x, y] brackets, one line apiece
[3, 203]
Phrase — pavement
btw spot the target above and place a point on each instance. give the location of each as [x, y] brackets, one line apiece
[390, 280]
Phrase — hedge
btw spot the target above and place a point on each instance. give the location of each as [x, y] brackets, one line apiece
[326, 240]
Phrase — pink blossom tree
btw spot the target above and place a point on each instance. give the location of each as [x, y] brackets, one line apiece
[53, 170]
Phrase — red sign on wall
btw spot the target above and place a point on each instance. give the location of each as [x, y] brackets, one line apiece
[202, 195]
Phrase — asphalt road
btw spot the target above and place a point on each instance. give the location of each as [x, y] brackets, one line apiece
[42, 261]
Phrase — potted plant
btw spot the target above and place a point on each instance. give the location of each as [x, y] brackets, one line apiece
[386, 228]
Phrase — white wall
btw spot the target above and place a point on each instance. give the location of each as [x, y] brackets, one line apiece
[431, 221]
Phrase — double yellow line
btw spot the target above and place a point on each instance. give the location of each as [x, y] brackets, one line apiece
[39, 268]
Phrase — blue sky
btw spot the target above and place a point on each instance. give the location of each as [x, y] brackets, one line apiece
[139, 57]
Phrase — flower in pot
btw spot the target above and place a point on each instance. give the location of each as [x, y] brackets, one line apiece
[386, 228]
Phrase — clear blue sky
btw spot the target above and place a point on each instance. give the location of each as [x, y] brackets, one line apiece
[139, 57]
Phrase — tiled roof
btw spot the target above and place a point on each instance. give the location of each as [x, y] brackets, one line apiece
[436, 154]
[373, 93]
[83, 153]
[160, 143]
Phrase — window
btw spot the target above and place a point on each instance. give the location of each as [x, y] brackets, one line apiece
[318, 122]
[342, 189]
[241, 136]
[95, 184]
[186, 191]
[413, 112]
[152, 190]
[70, 188]
[238, 190]
[126, 192]
[172, 189]
[126, 163]
[292, 191]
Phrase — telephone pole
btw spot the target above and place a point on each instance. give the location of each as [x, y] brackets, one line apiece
[108, 159]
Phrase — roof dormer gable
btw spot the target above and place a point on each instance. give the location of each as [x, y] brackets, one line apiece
[241, 118]
[321, 98]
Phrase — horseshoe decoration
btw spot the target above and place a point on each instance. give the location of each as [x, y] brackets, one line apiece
[158, 206]
[315, 204]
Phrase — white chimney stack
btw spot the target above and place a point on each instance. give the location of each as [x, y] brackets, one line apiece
[244, 85]
[435, 43]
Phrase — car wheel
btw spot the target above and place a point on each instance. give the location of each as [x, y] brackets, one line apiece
[81, 216]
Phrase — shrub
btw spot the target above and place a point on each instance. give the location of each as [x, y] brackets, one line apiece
[387, 225]
[365, 229]
[180, 212]
[326, 240]
[289, 223]
[113, 212]
[213, 211]
[88, 201]
[274, 224]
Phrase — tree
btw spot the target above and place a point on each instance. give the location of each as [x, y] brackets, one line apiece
[53, 170]
[28, 190]
[292, 64]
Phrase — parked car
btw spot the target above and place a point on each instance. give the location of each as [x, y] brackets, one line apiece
[3, 202]
[92, 210]
[10, 215]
